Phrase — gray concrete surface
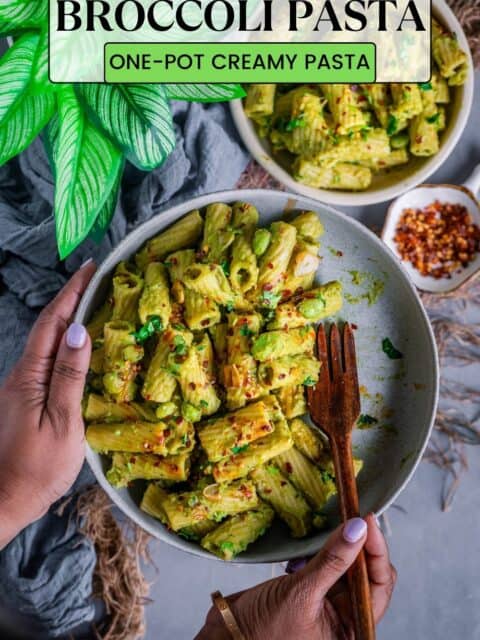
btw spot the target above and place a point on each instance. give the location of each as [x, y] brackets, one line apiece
[437, 554]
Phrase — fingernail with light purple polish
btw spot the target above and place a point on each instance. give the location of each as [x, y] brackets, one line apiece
[295, 565]
[76, 336]
[354, 530]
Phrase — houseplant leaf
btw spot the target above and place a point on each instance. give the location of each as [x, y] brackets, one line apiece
[15, 72]
[24, 122]
[137, 117]
[17, 15]
[40, 80]
[204, 92]
[85, 165]
[106, 213]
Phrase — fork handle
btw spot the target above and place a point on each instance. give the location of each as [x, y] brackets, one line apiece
[357, 574]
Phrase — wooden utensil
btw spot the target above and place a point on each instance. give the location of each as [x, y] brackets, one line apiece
[334, 405]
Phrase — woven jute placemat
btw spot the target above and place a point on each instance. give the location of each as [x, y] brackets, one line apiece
[122, 548]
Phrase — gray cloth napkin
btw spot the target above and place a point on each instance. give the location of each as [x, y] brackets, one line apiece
[45, 573]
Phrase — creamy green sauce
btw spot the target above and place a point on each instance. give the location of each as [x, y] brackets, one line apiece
[372, 288]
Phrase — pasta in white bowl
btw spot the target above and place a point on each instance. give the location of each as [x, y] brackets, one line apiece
[202, 326]
[362, 144]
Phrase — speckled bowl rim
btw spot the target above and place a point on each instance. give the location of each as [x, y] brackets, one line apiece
[154, 226]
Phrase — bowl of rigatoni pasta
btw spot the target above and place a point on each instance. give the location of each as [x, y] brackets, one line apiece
[203, 325]
[353, 145]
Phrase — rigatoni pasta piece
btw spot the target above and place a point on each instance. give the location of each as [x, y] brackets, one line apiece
[209, 280]
[308, 440]
[127, 467]
[342, 175]
[259, 102]
[215, 502]
[121, 355]
[289, 504]
[97, 359]
[396, 158]
[99, 409]
[292, 400]
[373, 143]
[127, 289]
[440, 88]
[311, 306]
[307, 130]
[378, 97]
[309, 226]
[181, 235]
[243, 266]
[274, 262]
[344, 108]
[316, 485]
[240, 464]
[155, 298]
[278, 344]
[201, 311]
[196, 388]
[235, 534]
[160, 438]
[407, 101]
[160, 381]
[233, 431]
[424, 140]
[451, 60]
[98, 321]
[239, 373]
[218, 232]
[289, 370]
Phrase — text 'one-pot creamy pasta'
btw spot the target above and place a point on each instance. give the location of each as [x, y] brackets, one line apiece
[201, 355]
[337, 136]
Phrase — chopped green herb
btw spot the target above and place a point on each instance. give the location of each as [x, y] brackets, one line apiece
[365, 421]
[178, 327]
[167, 264]
[180, 345]
[185, 439]
[425, 86]
[392, 125]
[230, 306]
[192, 501]
[364, 132]
[246, 331]
[227, 546]
[273, 471]
[326, 476]
[309, 381]
[433, 119]
[225, 267]
[204, 404]
[270, 298]
[239, 449]
[390, 350]
[201, 347]
[152, 326]
[218, 516]
[295, 123]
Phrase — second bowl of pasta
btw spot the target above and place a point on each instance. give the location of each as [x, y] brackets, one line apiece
[362, 144]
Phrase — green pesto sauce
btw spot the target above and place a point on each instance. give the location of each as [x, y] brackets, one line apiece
[372, 288]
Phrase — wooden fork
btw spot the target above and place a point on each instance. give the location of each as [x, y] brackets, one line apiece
[334, 405]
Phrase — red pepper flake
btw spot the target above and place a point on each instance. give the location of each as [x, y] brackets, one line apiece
[281, 376]
[248, 394]
[192, 386]
[132, 460]
[179, 420]
[437, 240]
[230, 333]
[174, 260]
[266, 427]
[288, 467]
[282, 483]
[205, 323]
[267, 287]
[339, 254]
[270, 265]
[354, 326]
[157, 463]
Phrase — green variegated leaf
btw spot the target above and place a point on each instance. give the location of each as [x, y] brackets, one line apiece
[105, 216]
[24, 122]
[15, 72]
[18, 15]
[40, 80]
[85, 164]
[204, 92]
[137, 117]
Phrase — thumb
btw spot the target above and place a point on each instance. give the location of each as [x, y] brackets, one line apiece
[338, 554]
[69, 373]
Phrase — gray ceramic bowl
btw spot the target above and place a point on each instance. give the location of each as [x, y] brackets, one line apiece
[401, 394]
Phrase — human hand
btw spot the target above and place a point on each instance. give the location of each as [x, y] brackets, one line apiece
[41, 427]
[314, 602]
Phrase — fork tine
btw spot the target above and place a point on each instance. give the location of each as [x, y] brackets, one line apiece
[335, 352]
[321, 389]
[351, 363]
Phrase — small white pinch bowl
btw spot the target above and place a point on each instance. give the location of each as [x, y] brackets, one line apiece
[424, 195]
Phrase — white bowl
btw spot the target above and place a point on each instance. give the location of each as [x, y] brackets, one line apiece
[408, 388]
[388, 185]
